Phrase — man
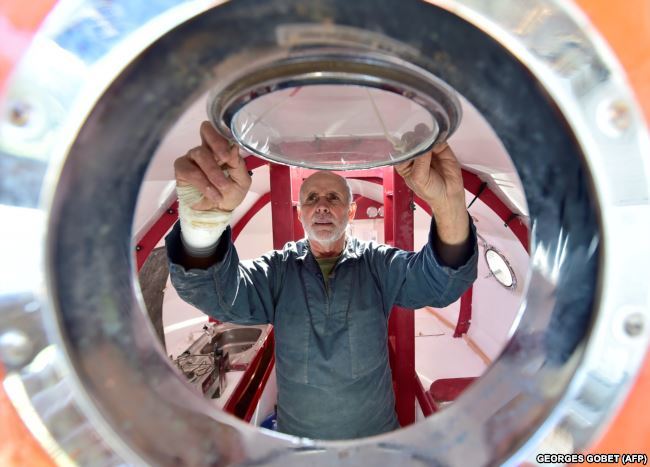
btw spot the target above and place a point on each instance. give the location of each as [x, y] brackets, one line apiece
[328, 296]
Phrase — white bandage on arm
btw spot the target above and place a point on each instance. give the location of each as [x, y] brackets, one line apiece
[200, 230]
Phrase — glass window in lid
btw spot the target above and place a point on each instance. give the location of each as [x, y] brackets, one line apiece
[334, 126]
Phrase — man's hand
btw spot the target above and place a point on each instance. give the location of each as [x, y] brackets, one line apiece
[437, 179]
[203, 168]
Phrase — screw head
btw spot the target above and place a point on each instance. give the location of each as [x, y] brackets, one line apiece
[614, 117]
[20, 113]
[15, 347]
[633, 324]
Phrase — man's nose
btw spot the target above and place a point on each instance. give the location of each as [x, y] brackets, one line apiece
[322, 205]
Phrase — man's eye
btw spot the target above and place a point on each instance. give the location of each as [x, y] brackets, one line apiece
[332, 197]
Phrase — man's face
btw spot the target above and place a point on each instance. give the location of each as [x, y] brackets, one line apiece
[324, 207]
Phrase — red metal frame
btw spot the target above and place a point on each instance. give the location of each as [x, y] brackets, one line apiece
[248, 215]
[427, 404]
[363, 204]
[282, 209]
[465, 314]
[473, 184]
[448, 389]
[510, 220]
[244, 399]
[371, 175]
[150, 239]
[387, 181]
[253, 162]
[262, 383]
[398, 227]
[296, 181]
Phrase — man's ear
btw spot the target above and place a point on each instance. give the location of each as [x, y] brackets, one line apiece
[353, 210]
[299, 213]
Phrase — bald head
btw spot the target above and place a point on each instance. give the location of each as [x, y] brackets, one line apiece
[336, 182]
[326, 208]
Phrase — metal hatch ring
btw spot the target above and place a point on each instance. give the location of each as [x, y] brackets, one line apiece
[535, 70]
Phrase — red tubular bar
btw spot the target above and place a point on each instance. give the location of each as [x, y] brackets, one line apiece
[401, 326]
[473, 184]
[296, 181]
[427, 404]
[363, 204]
[262, 384]
[389, 232]
[244, 399]
[253, 162]
[150, 239]
[372, 175]
[465, 315]
[255, 208]
[448, 389]
[281, 205]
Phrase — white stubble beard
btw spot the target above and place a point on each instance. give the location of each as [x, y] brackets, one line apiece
[329, 239]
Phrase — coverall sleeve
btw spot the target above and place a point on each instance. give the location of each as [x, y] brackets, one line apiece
[234, 291]
[414, 280]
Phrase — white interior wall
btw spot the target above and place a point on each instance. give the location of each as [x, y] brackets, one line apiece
[494, 308]
[257, 237]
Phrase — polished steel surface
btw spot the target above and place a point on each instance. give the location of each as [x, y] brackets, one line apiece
[218, 349]
[91, 383]
[238, 336]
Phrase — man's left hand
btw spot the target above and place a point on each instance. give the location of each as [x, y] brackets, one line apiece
[437, 179]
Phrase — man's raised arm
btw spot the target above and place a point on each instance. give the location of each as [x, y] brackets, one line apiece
[437, 179]
[211, 181]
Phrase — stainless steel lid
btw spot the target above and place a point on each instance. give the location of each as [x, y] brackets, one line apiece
[335, 109]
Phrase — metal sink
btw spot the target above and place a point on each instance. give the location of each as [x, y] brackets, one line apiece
[233, 341]
[239, 345]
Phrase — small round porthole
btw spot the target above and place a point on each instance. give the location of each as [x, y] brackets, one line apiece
[500, 268]
[335, 110]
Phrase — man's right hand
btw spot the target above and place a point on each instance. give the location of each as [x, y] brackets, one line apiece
[203, 168]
